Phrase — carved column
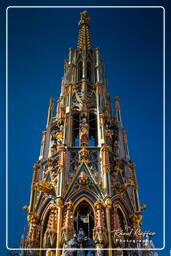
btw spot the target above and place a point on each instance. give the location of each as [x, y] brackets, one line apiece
[108, 204]
[61, 170]
[50, 236]
[34, 180]
[59, 224]
[33, 237]
[105, 168]
[98, 112]
[116, 227]
[100, 231]
[97, 64]
[101, 119]
[68, 222]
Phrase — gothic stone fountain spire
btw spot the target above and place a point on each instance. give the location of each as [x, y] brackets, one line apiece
[84, 178]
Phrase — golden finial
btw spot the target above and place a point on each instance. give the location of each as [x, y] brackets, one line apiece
[84, 18]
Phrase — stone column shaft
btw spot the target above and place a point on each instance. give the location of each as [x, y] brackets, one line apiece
[109, 229]
[59, 229]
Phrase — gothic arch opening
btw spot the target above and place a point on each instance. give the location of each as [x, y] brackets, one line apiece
[84, 219]
[80, 71]
[44, 235]
[45, 223]
[75, 129]
[48, 235]
[88, 71]
[92, 129]
[122, 221]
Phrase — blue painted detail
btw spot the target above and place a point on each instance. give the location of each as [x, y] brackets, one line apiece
[82, 195]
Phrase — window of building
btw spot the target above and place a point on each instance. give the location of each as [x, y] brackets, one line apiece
[75, 130]
[84, 219]
[92, 130]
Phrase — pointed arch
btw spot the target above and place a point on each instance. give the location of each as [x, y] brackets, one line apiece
[43, 204]
[122, 211]
[83, 193]
[84, 217]
[119, 217]
[44, 223]
[122, 218]
[43, 220]
[81, 200]
[44, 212]
[120, 204]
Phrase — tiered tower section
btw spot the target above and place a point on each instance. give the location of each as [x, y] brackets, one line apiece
[84, 188]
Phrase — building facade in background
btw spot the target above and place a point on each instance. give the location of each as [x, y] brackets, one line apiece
[84, 192]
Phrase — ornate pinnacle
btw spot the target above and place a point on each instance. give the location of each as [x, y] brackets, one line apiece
[137, 218]
[84, 42]
[25, 208]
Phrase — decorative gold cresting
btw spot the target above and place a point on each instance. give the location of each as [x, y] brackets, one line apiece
[84, 42]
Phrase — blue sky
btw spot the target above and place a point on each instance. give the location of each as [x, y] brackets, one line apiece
[131, 44]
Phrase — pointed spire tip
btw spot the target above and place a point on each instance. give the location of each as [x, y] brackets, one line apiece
[84, 42]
